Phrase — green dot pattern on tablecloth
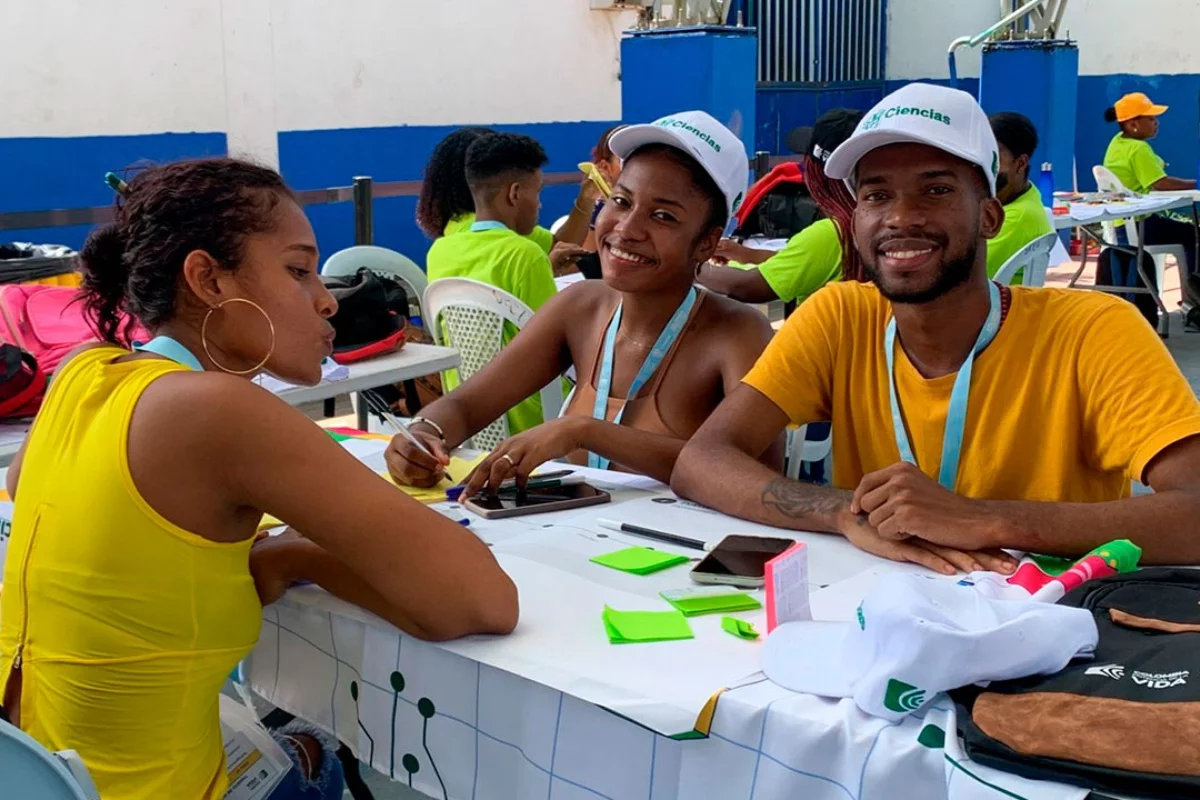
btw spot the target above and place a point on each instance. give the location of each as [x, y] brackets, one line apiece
[354, 690]
[425, 708]
[411, 765]
[397, 682]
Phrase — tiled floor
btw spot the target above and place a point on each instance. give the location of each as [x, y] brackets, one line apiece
[1184, 346]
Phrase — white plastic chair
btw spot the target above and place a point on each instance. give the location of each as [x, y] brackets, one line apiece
[1034, 258]
[801, 451]
[345, 263]
[1106, 181]
[469, 316]
[558, 223]
[31, 772]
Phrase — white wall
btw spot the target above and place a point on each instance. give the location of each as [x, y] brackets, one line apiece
[363, 63]
[251, 68]
[1142, 37]
[90, 67]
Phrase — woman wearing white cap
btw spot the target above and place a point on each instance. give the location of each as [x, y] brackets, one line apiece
[654, 353]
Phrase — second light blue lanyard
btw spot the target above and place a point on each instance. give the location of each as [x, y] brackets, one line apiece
[956, 414]
[170, 348]
[653, 359]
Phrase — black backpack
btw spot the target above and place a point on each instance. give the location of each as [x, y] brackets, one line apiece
[1127, 721]
[372, 311]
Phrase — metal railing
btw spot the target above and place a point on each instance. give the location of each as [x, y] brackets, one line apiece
[1037, 19]
[819, 41]
[362, 192]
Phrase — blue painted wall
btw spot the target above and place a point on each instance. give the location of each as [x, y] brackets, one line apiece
[1177, 140]
[46, 173]
[782, 108]
[317, 159]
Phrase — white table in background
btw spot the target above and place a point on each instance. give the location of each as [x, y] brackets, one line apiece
[1138, 209]
[411, 361]
[555, 711]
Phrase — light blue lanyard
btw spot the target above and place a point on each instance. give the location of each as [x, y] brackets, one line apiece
[488, 225]
[956, 414]
[170, 348]
[653, 359]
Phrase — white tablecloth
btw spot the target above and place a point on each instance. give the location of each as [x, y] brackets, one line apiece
[556, 711]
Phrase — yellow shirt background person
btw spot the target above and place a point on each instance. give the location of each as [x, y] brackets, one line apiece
[1070, 402]
[135, 623]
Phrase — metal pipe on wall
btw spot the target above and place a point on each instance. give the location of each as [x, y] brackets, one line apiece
[364, 225]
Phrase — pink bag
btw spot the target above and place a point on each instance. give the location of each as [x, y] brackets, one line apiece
[46, 321]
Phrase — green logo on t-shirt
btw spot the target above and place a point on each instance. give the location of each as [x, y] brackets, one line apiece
[902, 697]
[873, 121]
[862, 619]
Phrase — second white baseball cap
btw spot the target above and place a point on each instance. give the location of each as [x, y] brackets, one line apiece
[918, 635]
[922, 113]
[719, 151]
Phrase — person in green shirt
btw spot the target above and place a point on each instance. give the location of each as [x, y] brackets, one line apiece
[446, 206]
[1025, 216]
[504, 172]
[813, 257]
[1135, 164]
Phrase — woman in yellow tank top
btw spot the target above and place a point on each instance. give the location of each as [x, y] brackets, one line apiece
[132, 585]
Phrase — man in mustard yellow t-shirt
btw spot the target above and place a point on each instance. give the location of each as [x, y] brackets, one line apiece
[966, 417]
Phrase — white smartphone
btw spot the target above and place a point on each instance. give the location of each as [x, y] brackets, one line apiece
[740, 561]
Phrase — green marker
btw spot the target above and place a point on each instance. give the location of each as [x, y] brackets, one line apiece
[116, 183]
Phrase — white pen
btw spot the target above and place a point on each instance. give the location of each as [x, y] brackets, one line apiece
[390, 418]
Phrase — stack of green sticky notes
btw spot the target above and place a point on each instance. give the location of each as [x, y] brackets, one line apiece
[625, 627]
[695, 604]
[639, 560]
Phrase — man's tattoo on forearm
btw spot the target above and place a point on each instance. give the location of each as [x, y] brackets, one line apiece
[795, 499]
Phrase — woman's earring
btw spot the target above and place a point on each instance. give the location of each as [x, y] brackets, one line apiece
[204, 337]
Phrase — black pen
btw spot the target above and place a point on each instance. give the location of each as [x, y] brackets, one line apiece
[650, 533]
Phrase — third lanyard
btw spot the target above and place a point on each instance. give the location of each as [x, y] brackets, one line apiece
[956, 414]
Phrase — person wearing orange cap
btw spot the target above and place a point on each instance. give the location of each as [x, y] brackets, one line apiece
[1131, 158]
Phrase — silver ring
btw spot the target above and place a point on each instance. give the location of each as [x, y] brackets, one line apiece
[508, 458]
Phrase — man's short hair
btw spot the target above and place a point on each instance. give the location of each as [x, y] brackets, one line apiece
[495, 155]
[1016, 132]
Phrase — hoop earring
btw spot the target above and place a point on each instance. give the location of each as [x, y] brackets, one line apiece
[204, 337]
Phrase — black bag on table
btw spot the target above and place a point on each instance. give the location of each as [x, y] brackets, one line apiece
[372, 312]
[1127, 721]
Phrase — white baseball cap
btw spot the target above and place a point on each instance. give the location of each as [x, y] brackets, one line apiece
[918, 635]
[922, 113]
[696, 133]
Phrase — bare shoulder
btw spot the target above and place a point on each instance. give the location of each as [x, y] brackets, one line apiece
[582, 297]
[733, 318]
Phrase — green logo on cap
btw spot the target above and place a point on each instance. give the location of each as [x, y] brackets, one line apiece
[737, 203]
[872, 122]
[902, 697]
[671, 122]
[862, 619]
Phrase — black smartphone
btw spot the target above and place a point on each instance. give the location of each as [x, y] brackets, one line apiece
[740, 560]
[510, 503]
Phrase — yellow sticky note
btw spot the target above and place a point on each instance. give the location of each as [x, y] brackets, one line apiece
[269, 521]
[459, 468]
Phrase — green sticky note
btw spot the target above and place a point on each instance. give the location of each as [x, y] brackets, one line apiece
[739, 627]
[624, 627]
[639, 560]
[713, 603]
[338, 437]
